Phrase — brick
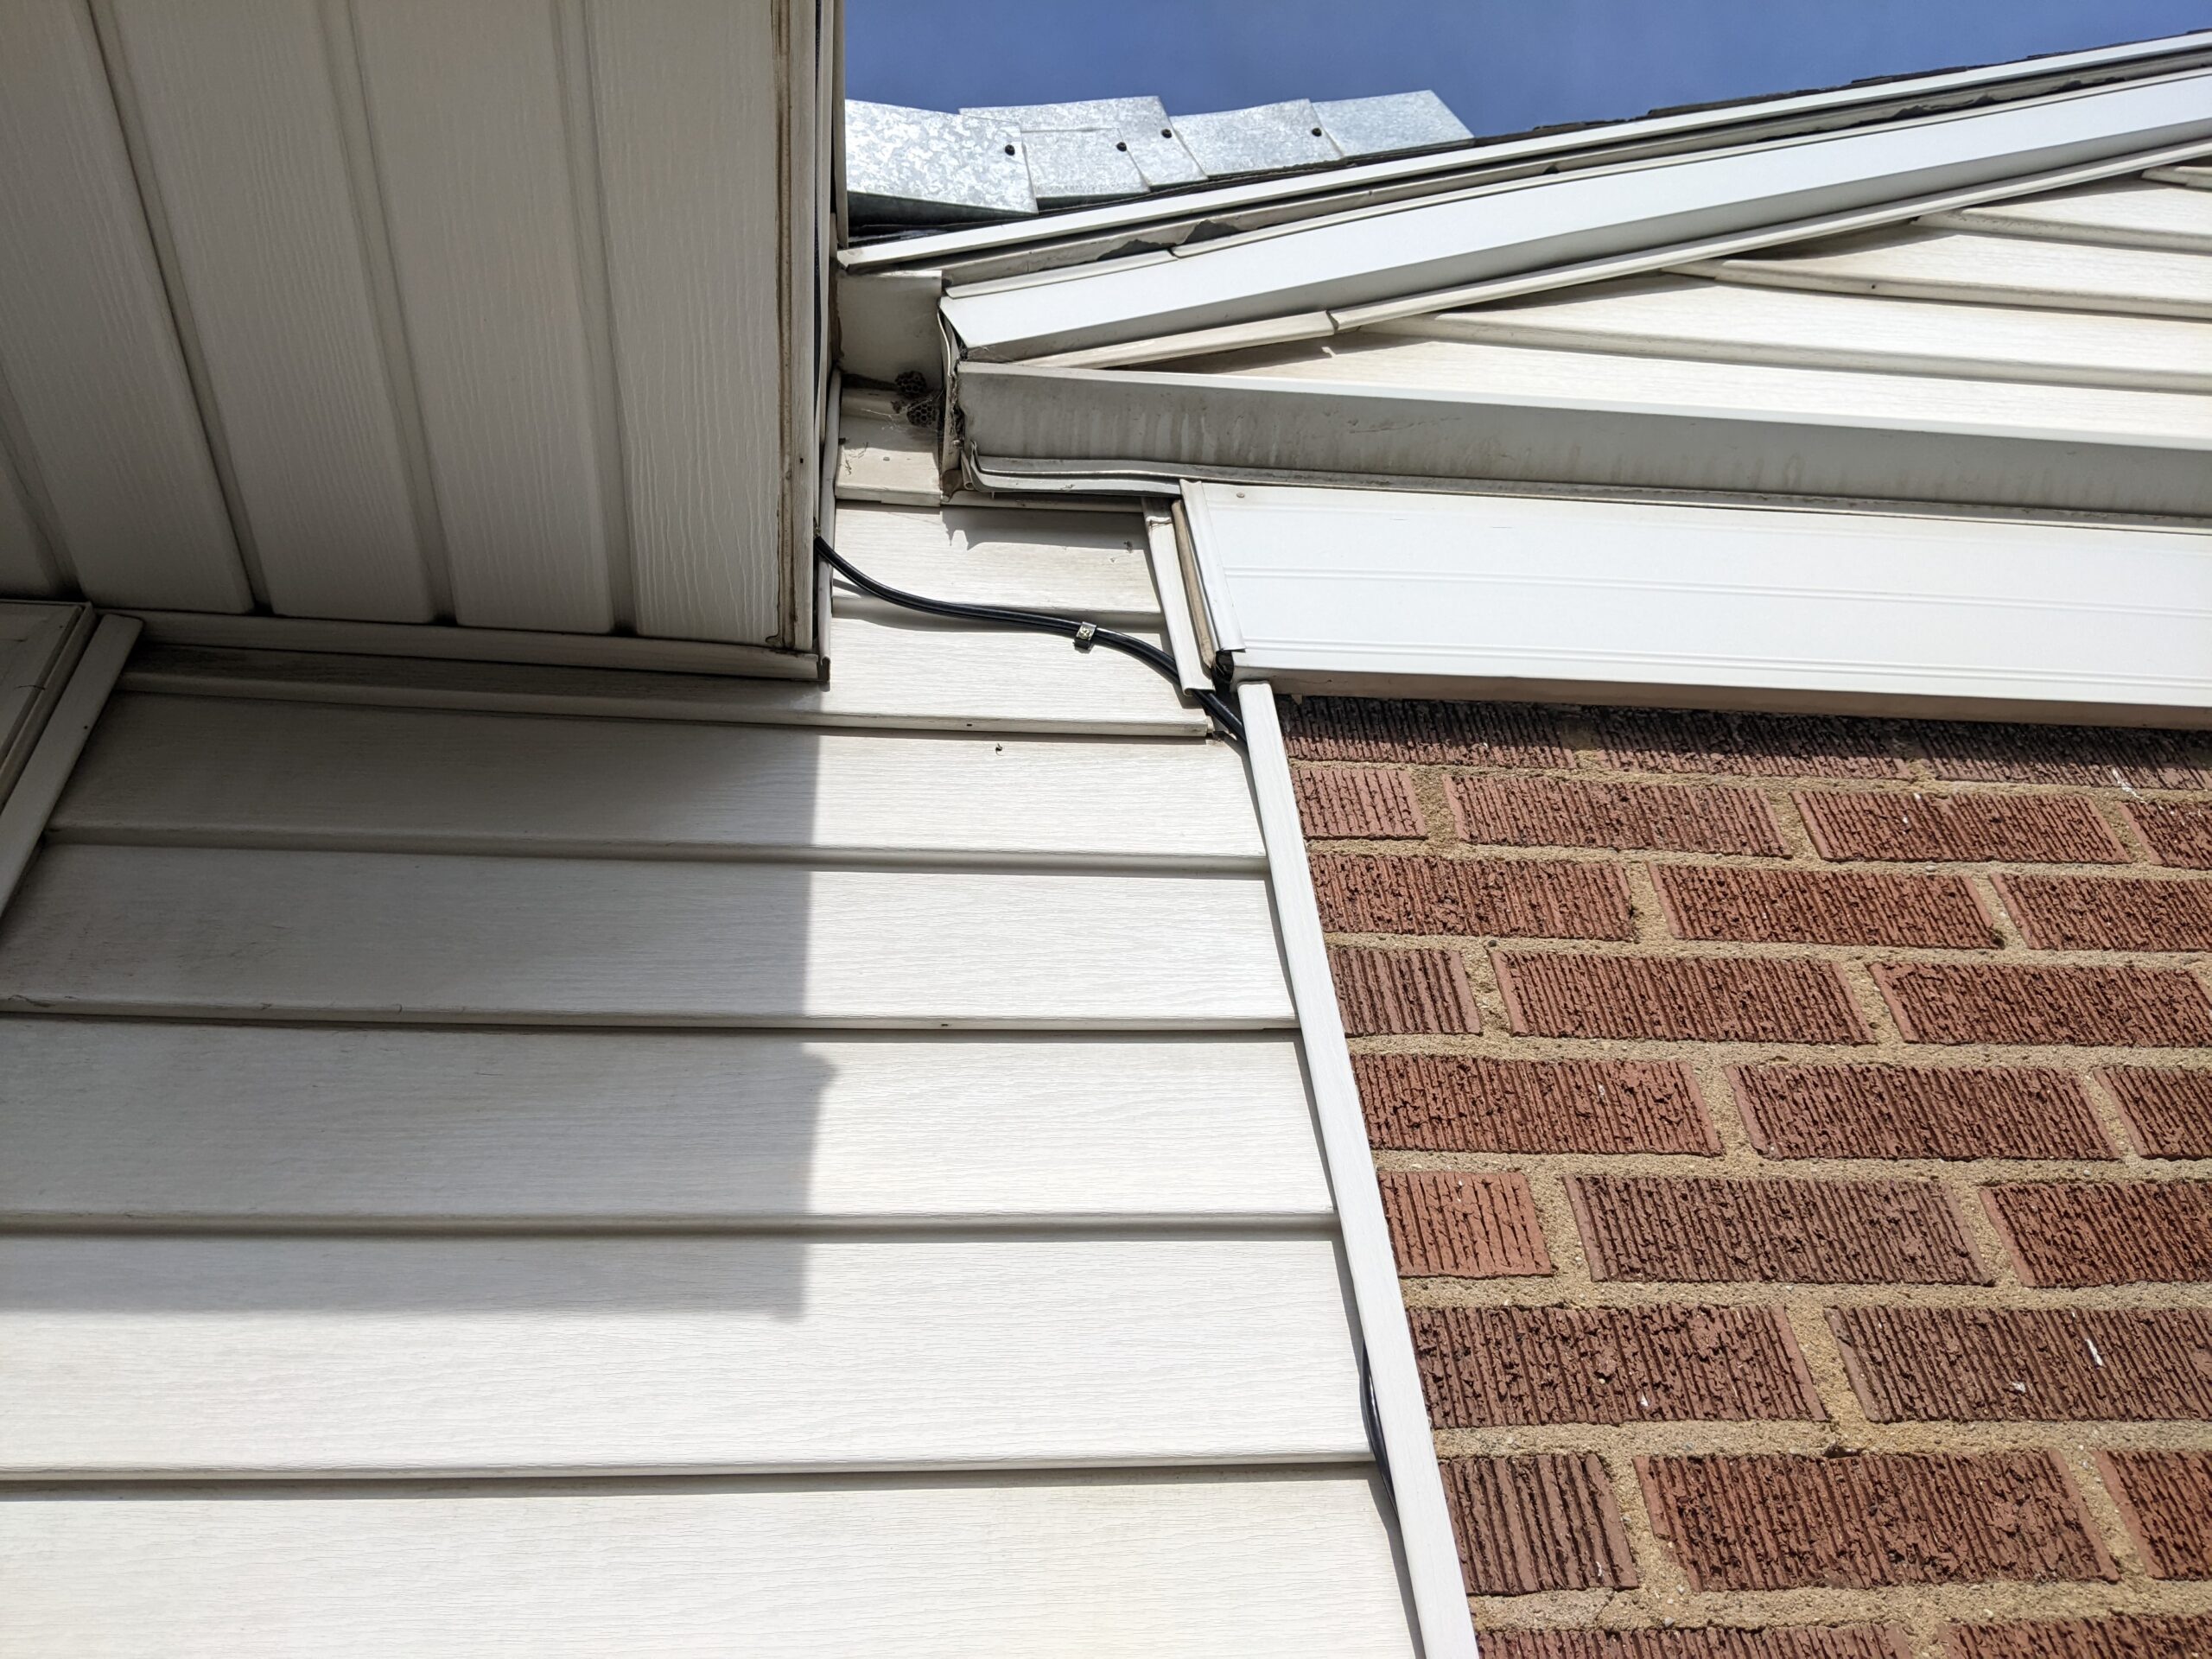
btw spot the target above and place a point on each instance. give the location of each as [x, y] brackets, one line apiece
[2169, 1113]
[1766, 746]
[1447, 1224]
[2106, 1232]
[1703, 1642]
[1357, 803]
[1920, 829]
[1493, 1367]
[1421, 732]
[1894, 1111]
[1570, 812]
[1403, 993]
[1820, 907]
[1702, 998]
[1531, 1524]
[1698, 1229]
[1955, 1364]
[1475, 898]
[1856, 1522]
[2074, 913]
[2165, 1502]
[1457, 1103]
[2189, 1636]
[2019, 1003]
[2093, 756]
[2179, 833]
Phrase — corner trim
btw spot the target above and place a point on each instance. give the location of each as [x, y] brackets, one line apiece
[31, 801]
[1432, 1551]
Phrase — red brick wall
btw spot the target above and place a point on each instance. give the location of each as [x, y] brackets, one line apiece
[1798, 1134]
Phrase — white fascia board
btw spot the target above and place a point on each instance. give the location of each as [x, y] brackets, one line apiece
[1505, 230]
[1712, 605]
[1020, 419]
[1863, 101]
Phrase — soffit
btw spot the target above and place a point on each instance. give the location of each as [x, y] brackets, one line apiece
[497, 314]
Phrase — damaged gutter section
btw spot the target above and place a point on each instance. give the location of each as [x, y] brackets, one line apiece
[2118, 453]
[1501, 231]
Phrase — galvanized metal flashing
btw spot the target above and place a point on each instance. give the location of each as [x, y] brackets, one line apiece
[908, 167]
[1269, 138]
[920, 167]
[1398, 124]
[1676, 133]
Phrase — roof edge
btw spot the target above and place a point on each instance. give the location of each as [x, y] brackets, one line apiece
[1672, 132]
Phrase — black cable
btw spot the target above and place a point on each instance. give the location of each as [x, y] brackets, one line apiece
[1086, 634]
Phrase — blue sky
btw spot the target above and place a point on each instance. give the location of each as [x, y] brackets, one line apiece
[1503, 65]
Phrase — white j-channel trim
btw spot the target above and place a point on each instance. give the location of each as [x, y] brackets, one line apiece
[1432, 1552]
[1441, 245]
[27, 807]
[1174, 600]
[446, 643]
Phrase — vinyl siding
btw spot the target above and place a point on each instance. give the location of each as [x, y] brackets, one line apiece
[866, 1152]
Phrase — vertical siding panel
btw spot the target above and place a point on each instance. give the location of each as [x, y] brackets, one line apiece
[247, 151]
[688, 128]
[465, 107]
[88, 348]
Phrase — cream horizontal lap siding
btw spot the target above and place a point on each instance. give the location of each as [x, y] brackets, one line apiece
[567, 1161]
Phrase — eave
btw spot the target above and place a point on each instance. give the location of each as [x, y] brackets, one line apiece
[1427, 255]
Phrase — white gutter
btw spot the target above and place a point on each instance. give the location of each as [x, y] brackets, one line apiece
[1503, 230]
[1432, 1551]
[1864, 101]
[1129, 423]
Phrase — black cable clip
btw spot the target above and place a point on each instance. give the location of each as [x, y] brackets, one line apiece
[1085, 635]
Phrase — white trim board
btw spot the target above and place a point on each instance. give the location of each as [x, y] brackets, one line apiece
[40, 645]
[1556, 598]
[39, 785]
